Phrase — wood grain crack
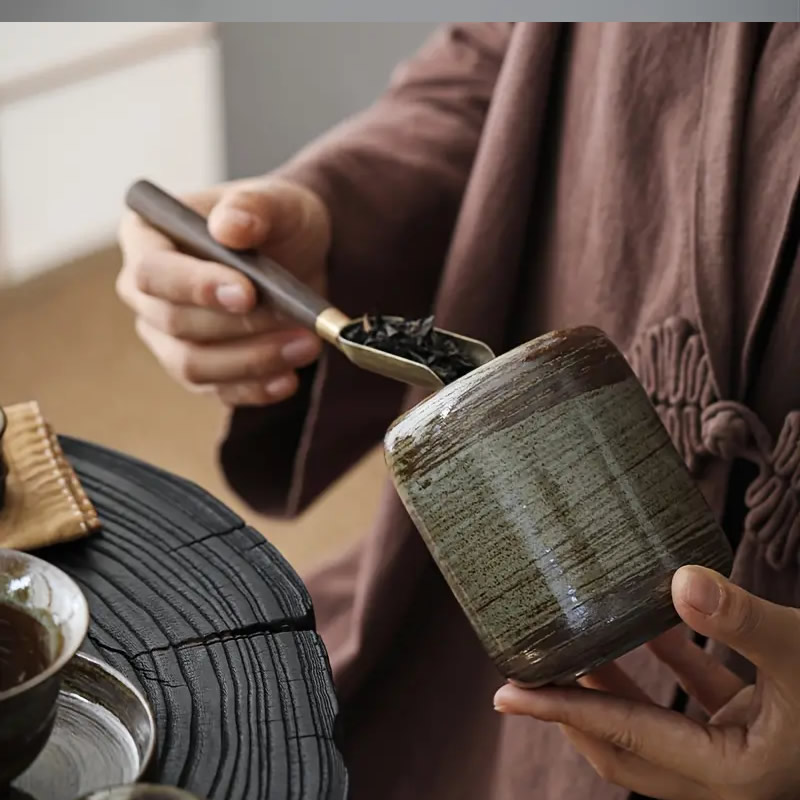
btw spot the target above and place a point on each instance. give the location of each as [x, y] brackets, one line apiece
[218, 637]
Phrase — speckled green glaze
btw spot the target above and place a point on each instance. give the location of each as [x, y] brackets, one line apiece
[553, 501]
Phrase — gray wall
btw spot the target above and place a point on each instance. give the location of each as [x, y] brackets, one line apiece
[360, 10]
[286, 82]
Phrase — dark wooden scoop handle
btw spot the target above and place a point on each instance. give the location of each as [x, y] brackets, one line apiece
[189, 231]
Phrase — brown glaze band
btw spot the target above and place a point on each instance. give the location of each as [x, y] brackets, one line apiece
[549, 371]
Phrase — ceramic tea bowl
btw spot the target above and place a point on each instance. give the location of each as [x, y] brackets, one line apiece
[43, 621]
[141, 791]
[555, 505]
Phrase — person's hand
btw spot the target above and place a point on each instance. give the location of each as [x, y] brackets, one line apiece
[200, 318]
[750, 749]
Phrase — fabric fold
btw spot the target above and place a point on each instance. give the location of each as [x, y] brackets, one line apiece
[45, 503]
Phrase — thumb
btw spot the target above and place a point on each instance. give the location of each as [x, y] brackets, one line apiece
[242, 218]
[765, 633]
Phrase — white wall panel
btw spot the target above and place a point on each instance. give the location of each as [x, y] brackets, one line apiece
[29, 47]
[67, 156]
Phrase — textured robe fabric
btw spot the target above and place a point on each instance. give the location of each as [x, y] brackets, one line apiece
[517, 178]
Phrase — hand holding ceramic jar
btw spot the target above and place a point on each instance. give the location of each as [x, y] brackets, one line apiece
[749, 748]
[570, 531]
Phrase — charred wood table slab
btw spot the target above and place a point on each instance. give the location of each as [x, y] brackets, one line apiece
[210, 621]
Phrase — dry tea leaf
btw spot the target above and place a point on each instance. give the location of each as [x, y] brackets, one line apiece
[414, 339]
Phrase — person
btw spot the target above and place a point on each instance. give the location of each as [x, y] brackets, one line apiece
[517, 178]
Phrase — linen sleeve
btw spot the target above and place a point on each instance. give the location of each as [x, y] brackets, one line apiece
[392, 178]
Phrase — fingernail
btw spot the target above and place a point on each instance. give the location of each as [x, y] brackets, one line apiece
[500, 703]
[699, 590]
[241, 219]
[300, 351]
[280, 386]
[232, 296]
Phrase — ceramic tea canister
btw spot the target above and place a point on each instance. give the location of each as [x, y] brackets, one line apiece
[551, 497]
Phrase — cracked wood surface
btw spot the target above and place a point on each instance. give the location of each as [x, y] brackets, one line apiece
[216, 628]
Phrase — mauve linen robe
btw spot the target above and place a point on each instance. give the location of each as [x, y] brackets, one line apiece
[517, 178]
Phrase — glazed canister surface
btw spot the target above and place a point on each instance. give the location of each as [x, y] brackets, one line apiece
[553, 501]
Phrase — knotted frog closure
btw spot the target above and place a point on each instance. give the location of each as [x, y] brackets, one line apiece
[672, 365]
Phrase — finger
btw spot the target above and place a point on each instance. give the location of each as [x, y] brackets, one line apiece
[613, 679]
[658, 735]
[745, 705]
[273, 390]
[241, 219]
[766, 634]
[137, 237]
[184, 280]
[633, 773]
[250, 360]
[202, 324]
[245, 216]
[701, 675]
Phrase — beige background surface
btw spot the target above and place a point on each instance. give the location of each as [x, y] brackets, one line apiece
[66, 341]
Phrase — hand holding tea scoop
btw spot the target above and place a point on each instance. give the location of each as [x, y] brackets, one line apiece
[748, 750]
[410, 351]
[200, 318]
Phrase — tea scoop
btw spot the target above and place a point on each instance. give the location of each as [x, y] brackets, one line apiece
[288, 295]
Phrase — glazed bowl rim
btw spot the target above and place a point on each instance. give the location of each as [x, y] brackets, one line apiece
[69, 649]
[144, 704]
[141, 788]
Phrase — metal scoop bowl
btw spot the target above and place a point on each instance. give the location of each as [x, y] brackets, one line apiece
[288, 295]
